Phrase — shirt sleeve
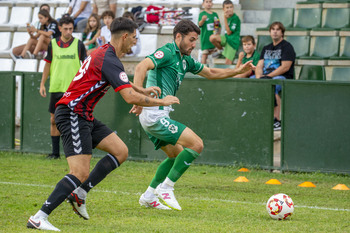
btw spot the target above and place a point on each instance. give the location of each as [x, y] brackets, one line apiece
[81, 51]
[48, 57]
[194, 66]
[288, 53]
[161, 57]
[113, 71]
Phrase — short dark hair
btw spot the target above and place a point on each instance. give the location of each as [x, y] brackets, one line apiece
[227, 2]
[280, 26]
[66, 19]
[246, 39]
[107, 13]
[122, 24]
[184, 27]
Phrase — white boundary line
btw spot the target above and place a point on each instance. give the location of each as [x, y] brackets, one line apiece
[200, 199]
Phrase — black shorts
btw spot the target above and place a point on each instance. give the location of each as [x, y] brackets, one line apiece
[54, 98]
[79, 136]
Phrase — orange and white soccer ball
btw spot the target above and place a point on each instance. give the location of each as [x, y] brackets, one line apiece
[280, 206]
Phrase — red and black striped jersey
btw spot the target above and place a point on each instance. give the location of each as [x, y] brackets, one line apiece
[99, 71]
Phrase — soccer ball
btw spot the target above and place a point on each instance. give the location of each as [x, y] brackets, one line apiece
[280, 206]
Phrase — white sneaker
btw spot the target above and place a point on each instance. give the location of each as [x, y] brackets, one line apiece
[78, 205]
[167, 195]
[152, 202]
[41, 224]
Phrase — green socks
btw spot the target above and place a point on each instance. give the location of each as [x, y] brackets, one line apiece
[162, 172]
[182, 163]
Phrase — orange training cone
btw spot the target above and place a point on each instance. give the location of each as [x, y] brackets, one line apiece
[273, 181]
[340, 187]
[243, 169]
[307, 184]
[241, 179]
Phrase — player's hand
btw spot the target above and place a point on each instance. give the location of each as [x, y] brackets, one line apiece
[169, 100]
[246, 67]
[42, 91]
[136, 110]
[153, 91]
[204, 18]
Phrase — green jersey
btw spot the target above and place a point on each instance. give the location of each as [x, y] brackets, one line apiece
[211, 24]
[234, 24]
[170, 69]
[255, 58]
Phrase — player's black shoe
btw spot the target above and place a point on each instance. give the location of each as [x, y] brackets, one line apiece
[53, 156]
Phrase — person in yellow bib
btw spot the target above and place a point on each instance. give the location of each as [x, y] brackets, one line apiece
[63, 60]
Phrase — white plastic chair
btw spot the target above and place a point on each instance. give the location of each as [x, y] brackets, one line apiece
[60, 11]
[26, 65]
[4, 14]
[148, 44]
[78, 35]
[41, 66]
[20, 16]
[6, 65]
[5, 41]
[19, 38]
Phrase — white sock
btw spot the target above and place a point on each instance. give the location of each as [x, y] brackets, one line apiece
[149, 192]
[81, 193]
[167, 184]
[40, 214]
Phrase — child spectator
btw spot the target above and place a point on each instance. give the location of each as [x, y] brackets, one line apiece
[16, 51]
[249, 54]
[105, 36]
[230, 41]
[91, 33]
[209, 23]
[136, 49]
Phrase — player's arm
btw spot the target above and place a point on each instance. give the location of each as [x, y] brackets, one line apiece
[141, 71]
[202, 21]
[133, 97]
[216, 73]
[44, 77]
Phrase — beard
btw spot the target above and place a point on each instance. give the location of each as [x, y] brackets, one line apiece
[183, 50]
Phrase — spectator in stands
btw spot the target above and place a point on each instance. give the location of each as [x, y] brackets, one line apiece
[136, 49]
[105, 36]
[41, 37]
[62, 63]
[16, 51]
[249, 53]
[276, 62]
[100, 6]
[91, 33]
[209, 23]
[79, 10]
[231, 40]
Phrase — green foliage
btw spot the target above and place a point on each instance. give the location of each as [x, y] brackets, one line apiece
[210, 200]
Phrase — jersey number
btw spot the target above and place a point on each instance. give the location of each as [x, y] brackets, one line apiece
[83, 69]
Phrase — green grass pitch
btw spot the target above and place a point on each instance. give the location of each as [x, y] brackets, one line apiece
[210, 200]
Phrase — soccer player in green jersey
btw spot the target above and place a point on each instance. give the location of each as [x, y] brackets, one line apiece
[209, 23]
[167, 67]
[231, 40]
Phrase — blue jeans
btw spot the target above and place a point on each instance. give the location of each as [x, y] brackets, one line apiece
[278, 87]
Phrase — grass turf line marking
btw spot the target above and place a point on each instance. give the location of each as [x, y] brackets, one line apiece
[200, 199]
